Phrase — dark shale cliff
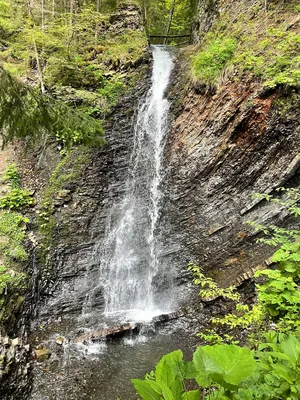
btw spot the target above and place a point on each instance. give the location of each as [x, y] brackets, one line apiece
[223, 147]
[75, 194]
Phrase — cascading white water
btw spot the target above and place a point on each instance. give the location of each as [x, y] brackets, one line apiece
[129, 261]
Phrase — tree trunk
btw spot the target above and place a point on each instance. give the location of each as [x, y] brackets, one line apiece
[98, 6]
[39, 69]
[169, 22]
[43, 14]
[36, 53]
[71, 11]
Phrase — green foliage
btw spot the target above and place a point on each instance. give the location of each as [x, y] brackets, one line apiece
[209, 63]
[228, 372]
[12, 224]
[278, 290]
[12, 256]
[279, 363]
[242, 317]
[279, 294]
[9, 280]
[80, 50]
[73, 128]
[209, 288]
[167, 382]
[225, 367]
[285, 67]
[12, 234]
[21, 113]
[16, 198]
[265, 45]
[25, 113]
[12, 176]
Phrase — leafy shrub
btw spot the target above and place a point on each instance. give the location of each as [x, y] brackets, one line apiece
[16, 198]
[228, 372]
[208, 288]
[279, 362]
[225, 367]
[279, 294]
[278, 291]
[242, 317]
[12, 228]
[12, 176]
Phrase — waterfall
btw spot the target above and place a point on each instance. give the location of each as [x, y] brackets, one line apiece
[129, 261]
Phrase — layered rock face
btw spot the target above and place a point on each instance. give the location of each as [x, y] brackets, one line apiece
[15, 368]
[82, 217]
[82, 207]
[222, 149]
[208, 10]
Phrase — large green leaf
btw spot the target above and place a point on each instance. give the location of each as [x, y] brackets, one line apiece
[177, 388]
[169, 367]
[165, 372]
[223, 364]
[167, 393]
[192, 395]
[190, 370]
[291, 347]
[145, 390]
[154, 385]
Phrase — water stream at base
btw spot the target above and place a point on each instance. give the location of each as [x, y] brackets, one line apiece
[135, 284]
[102, 371]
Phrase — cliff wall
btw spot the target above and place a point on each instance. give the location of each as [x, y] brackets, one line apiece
[229, 142]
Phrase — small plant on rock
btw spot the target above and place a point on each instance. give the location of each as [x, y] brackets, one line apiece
[16, 198]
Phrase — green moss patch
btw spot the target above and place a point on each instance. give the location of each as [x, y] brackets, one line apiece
[13, 255]
[68, 171]
[249, 39]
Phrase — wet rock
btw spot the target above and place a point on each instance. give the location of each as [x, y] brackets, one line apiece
[15, 367]
[214, 228]
[42, 354]
[6, 341]
[15, 342]
[59, 340]
[108, 333]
